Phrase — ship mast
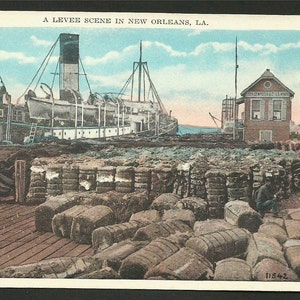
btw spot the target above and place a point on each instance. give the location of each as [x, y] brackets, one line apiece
[140, 73]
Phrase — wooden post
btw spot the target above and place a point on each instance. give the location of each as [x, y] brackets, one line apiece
[20, 169]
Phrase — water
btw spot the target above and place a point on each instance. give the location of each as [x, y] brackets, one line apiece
[187, 129]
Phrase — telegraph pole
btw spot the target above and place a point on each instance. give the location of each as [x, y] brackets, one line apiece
[235, 117]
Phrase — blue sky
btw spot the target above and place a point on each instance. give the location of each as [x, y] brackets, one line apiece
[192, 70]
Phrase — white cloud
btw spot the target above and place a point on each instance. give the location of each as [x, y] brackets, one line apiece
[18, 56]
[197, 32]
[39, 42]
[108, 57]
[169, 49]
[115, 81]
[216, 47]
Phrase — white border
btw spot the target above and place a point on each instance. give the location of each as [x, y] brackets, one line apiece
[212, 22]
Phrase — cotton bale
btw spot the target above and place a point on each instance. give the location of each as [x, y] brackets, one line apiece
[261, 247]
[185, 264]
[216, 246]
[46, 211]
[84, 224]
[233, 269]
[272, 270]
[239, 213]
[137, 264]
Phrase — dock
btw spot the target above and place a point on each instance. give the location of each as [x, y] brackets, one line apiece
[21, 243]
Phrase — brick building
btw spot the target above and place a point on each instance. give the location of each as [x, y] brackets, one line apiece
[267, 109]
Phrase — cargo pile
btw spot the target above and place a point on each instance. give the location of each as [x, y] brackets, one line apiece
[166, 213]
[166, 241]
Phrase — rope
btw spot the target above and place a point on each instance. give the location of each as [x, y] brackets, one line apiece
[87, 81]
[50, 51]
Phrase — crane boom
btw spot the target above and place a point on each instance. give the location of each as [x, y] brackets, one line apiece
[214, 119]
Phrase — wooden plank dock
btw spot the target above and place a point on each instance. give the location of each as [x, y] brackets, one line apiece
[21, 243]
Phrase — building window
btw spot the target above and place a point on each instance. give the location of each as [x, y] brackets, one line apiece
[265, 136]
[256, 110]
[277, 108]
[267, 84]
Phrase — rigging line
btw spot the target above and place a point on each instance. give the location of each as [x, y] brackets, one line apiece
[87, 81]
[53, 46]
[132, 76]
[144, 84]
[2, 83]
[55, 73]
[46, 64]
[155, 91]
[127, 82]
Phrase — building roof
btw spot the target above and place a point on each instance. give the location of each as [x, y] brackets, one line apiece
[267, 75]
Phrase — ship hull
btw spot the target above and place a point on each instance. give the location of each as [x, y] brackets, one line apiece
[142, 119]
[41, 109]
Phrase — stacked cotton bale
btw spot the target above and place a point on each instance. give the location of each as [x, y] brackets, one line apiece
[197, 177]
[87, 178]
[272, 270]
[296, 173]
[216, 246]
[209, 226]
[136, 265]
[146, 216]
[70, 178]
[288, 188]
[46, 211]
[104, 273]
[240, 214]
[165, 201]
[105, 179]
[104, 237]
[292, 228]
[37, 187]
[182, 180]
[123, 205]
[84, 224]
[257, 177]
[261, 247]
[161, 229]
[116, 253]
[292, 253]
[142, 180]
[216, 193]
[162, 179]
[64, 267]
[184, 215]
[238, 185]
[197, 205]
[186, 264]
[54, 180]
[274, 230]
[293, 214]
[233, 269]
[62, 222]
[124, 179]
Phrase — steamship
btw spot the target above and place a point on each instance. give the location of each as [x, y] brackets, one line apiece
[135, 110]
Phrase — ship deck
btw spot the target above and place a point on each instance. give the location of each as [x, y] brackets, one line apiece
[21, 243]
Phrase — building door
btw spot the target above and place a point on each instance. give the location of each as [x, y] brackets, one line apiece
[265, 135]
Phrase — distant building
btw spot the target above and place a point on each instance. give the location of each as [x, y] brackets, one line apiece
[267, 109]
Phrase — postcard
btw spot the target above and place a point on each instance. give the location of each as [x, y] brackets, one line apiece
[153, 151]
